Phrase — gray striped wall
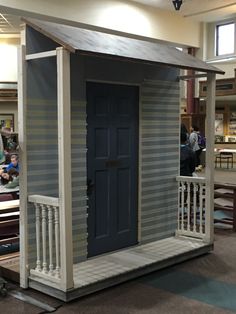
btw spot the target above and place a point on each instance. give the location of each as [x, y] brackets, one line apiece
[42, 158]
[41, 137]
[159, 126]
[79, 179]
[42, 166]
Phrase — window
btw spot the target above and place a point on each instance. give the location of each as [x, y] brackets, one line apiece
[225, 41]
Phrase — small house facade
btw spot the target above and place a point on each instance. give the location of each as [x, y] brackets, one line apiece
[99, 141]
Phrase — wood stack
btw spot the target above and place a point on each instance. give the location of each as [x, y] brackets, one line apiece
[225, 202]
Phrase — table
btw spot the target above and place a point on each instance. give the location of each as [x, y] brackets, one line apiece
[217, 151]
[227, 150]
[4, 190]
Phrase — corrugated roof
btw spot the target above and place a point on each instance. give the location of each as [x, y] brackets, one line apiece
[97, 43]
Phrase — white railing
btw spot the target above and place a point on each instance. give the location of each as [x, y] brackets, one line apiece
[47, 237]
[191, 207]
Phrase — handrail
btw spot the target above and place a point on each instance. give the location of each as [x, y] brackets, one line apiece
[191, 179]
[46, 200]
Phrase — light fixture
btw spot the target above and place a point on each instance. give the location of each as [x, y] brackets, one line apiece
[177, 4]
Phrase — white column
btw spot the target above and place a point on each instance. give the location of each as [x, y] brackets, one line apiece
[23, 163]
[210, 142]
[64, 158]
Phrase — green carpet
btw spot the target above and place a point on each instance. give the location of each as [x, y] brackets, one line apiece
[206, 290]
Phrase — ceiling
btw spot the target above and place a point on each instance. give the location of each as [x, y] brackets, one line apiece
[201, 10]
[9, 24]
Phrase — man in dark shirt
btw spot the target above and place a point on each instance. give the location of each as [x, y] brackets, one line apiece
[187, 158]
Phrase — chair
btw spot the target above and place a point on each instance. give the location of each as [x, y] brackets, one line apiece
[224, 157]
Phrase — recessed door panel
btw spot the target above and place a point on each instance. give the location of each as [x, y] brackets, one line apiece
[112, 163]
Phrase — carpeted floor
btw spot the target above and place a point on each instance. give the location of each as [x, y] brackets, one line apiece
[206, 285]
[203, 285]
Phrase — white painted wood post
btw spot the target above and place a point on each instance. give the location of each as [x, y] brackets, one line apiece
[50, 237]
[44, 237]
[57, 245]
[38, 242]
[195, 187]
[188, 206]
[182, 204]
[24, 273]
[201, 208]
[210, 142]
[64, 158]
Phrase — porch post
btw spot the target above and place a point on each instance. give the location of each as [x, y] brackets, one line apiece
[23, 163]
[210, 141]
[64, 164]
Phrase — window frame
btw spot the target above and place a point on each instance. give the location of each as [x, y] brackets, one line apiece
[217, 26]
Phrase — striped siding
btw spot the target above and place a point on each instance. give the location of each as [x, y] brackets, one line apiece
[42, 148]
[79, 179]
[42, 158]
[159, 124]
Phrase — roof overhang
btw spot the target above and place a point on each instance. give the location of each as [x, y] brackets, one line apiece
[89, 42]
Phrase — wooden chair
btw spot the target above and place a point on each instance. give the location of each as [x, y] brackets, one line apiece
[224, 156]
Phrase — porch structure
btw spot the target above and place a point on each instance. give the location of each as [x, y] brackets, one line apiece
[114, 268]
[51, 259]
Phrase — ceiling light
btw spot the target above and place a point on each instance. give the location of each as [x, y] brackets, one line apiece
[177, 4]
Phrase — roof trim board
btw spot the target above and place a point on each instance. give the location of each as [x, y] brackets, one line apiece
[89, 42]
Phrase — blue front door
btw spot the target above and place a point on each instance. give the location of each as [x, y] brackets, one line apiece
[112, 163]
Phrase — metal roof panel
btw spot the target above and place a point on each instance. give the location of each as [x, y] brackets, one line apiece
[92, 42]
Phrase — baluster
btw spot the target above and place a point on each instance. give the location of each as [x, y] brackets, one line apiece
[204, 208]
[50, 237]
[182, 205]
[57, 238]
[179, 200]
[200, 205]
[188, 206]
[194, 206]
[44, 236]
[37, 214]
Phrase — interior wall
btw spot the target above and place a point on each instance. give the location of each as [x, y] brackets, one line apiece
[8, 72]
[8, 59]
[115, 15]
[228, 67]
[10, 107]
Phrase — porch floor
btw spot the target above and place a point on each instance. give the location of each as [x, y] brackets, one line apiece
[110, 269]
[120, 262]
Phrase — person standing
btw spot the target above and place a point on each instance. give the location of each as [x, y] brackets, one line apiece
[193, 143]
[187, 157]
[184, 130]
